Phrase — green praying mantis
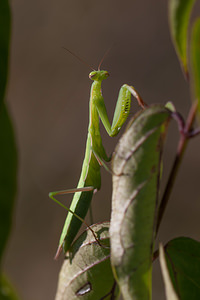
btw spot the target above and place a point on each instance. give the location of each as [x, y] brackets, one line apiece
[95, 154]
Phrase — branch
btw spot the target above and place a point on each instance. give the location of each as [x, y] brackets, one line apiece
[179, 155]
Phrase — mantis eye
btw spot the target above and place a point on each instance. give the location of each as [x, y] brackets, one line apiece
[92, 75]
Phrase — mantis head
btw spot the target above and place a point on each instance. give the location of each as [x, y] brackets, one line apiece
[98, 75]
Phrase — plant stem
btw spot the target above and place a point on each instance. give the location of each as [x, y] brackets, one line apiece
[179, 155]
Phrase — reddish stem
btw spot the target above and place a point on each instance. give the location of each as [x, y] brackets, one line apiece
[179, 155]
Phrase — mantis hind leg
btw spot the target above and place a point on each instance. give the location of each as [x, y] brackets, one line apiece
[70, 191]
[63, 192]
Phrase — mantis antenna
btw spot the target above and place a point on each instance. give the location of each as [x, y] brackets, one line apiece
[80, 59]
[105, 54]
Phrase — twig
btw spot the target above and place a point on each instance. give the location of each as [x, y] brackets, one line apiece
[179, 155]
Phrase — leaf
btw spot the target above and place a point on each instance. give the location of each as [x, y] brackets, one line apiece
[8, 163]
[8, 156]
[169, 289]
[169, 105]
[195, 59]
[136, 169]
[86, 272]
[183, 261]
[7, 149]
[6, 290]
[5, 20]
[179, 16]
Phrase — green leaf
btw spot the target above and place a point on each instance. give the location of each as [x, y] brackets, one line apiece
[5, 20]
[7, 149]
[169, 289]
[183, 261]
[136, 169]
[86, 272]
[6, 290]
[179, 16]
[8, 162]
[195, 59]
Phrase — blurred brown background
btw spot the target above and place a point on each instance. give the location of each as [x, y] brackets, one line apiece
[48, 95]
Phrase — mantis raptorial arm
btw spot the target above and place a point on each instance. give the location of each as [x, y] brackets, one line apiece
[122, 109]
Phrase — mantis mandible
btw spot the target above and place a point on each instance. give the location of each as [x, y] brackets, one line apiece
[95, 154]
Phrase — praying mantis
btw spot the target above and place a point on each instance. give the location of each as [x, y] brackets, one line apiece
[95, 154]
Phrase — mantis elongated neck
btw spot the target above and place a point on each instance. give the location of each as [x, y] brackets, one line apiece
[96, 89]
